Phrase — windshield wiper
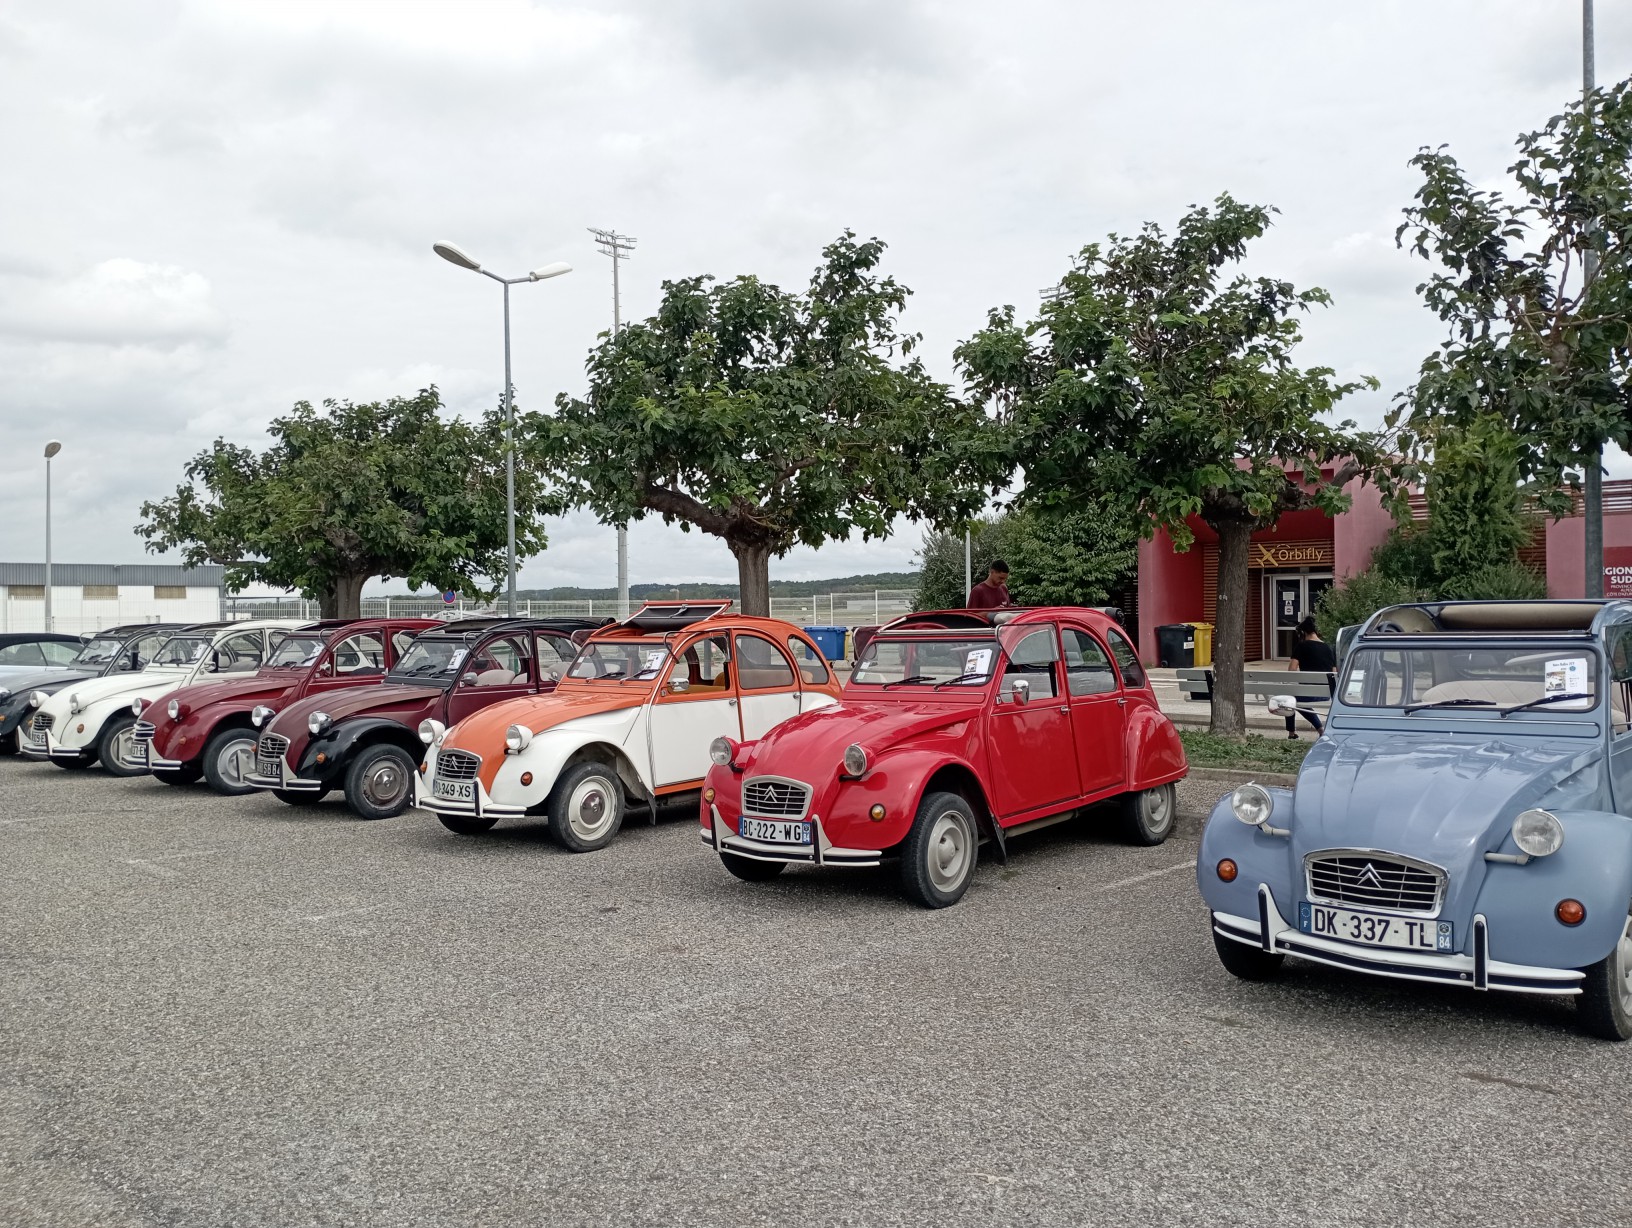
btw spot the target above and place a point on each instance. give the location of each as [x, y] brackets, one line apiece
[1545, 699]
[907, 681]
[1451, 703]
[962, 678]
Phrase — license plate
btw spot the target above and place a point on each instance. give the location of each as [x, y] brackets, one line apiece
[270, 769]
[1369, 929]
[454, 790]
[36, 736]
[774, 831]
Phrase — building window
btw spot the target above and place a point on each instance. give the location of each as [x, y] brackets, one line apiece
[169, 592]
[28, 592]
[100, 592]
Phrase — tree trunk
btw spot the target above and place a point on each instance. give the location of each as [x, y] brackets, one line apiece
[1230, 633]
[753, 577]
[343, 598]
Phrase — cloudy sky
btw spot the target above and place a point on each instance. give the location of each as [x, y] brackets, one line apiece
[212, 210]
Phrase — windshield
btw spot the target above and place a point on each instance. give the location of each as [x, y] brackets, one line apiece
[296, 652]
[622, 660]
[180, 650]
[966, 660]
[432, 656]
[99, 652]
[1559, 676]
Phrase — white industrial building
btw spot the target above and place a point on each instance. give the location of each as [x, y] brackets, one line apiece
[86, 597]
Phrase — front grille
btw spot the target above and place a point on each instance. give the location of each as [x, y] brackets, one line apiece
[142, 731]
[780, 799]
[1371, 880]
[458, 765]
[271, 746]
[37, 727]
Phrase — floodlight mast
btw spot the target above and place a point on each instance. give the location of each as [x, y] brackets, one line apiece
[611, 243]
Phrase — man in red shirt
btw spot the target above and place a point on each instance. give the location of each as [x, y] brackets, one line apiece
[993, 591]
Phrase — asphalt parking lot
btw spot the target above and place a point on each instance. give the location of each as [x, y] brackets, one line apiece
[232, 1012]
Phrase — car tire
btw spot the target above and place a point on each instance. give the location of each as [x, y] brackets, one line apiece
[586, 807]
[1148, 816]
[294, 797]
[115, 744]
[75, 765]
[225, 755]
[380, 782]
[1604, 1009]
[939, 855]
[462, 826]
[1248, 963]
[176, 776]
[751, 870]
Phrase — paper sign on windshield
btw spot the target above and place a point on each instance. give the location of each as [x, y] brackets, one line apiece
[654, 660]
[979, 661]
[1565, 676]
[458, 658]
[1357, 683]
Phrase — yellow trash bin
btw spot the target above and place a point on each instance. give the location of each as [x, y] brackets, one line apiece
[1204, 642]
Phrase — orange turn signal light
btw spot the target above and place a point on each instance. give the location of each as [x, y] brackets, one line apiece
[526, 778]
[708, 795]
[423, 768]
[1571, 912]
[321, 757]
[1227, 870]
[876, 814]
[79, 729]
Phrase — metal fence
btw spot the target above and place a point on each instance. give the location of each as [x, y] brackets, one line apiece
[821, 610]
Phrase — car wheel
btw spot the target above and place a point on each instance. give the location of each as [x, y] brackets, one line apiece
[1605, 1007]
[466, 826]
[1147, 816]
[586, 807]
[293, 797]
[227, 757]
[939, 854]
[176, 776]
[117, 745]
[1248, 963]
[380, 782]
[751, 870]
[76, 764]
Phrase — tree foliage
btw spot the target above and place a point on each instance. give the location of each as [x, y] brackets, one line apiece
[769, 418]
[1156, 377]
[349, 492]
[1058, 556]
[1533, 342]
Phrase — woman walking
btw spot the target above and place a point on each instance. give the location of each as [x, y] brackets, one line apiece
[1312, 655]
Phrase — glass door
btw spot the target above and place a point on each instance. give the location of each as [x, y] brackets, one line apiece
[1290, 599]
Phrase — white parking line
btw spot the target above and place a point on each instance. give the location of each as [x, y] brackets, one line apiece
[349, 912]
[1139, 878]
[150, 865]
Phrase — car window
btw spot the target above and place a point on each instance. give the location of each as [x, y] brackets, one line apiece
[21, 654]
[1547, 677]
[760, 664]
[1087, 668]
[59, 653]
[143, 649]
[501, 662]
[400, 642]
[555, 653]
[1127, 660]
[811, 666]
[363, 653]
[238, 653]
[1619, 645]
[1034, 659]
[704, 665]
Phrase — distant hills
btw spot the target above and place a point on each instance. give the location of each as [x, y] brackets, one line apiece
[779, 588]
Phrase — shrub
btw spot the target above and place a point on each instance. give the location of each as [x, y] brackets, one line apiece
[1358, 598]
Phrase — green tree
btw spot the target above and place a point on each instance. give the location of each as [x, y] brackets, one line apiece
[1151, 380]
[1476, 516]
[768, 418]
[1534, 343]
[1059, 556]
[350, 492]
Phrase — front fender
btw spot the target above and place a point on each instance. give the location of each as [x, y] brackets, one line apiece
[1259, 858]
[1594, 866]
[545, 757]
[898, 782]
[1155, 755]
[93, 716]
[339, 743]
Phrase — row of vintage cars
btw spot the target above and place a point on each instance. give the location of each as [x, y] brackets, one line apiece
[1464, 820]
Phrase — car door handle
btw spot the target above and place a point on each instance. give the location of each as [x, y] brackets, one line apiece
[731, 703]
[1064, 709]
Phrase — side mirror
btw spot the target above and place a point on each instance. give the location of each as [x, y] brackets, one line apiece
[678, 686]
[1282, 705]
[468, 680]
[1020, 691]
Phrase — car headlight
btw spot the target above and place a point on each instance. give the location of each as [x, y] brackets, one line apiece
[1252, 804]
[36, 698]
[430, 732]
[516, 739]
[1538, 833]
[174, 709]
[722, 751]
[73, 702]
[260, 715]
[317, 722]
[136, 706]
[855, 760]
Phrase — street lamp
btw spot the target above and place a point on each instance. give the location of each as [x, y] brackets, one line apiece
[454, 254]
[52, 447]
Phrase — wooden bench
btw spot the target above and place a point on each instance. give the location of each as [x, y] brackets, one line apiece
[1196, 683]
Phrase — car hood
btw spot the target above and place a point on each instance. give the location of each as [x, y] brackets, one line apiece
[1441, 798]
[818, 737]
[28, 679]
[8, 673]
[386, 699]
[241, 688]
[116, 686]
[483, 730]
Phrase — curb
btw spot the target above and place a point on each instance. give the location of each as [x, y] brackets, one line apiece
[1241, 776]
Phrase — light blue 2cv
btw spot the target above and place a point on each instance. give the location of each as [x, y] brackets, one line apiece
[1464, 818]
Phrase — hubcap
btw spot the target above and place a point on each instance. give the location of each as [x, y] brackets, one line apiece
[949, 845]
[589, 809]
[231, 762]
[1623, 967]
[1158, 809]
[386, 783]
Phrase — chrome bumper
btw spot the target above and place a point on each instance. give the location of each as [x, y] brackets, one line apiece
[481, 806]
[283, 781]
[819, 852]
[1270, 932]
